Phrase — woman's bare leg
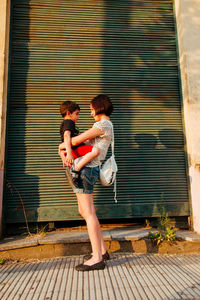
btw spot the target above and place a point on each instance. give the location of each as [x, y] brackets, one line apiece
[87, 210]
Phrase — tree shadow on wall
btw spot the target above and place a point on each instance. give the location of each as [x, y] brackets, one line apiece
[140, 74]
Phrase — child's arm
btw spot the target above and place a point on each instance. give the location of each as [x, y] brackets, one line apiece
[67, 144]
[63, 157]
[62, 153]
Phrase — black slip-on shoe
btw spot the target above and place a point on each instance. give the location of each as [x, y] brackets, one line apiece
[105, 256]
[99, 266]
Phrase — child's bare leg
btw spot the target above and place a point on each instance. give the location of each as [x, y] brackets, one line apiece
[87, 158]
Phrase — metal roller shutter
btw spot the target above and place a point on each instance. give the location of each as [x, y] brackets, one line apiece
[75, 50]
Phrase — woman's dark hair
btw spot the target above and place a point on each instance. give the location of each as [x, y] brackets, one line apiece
[102, 105]
[68, 106]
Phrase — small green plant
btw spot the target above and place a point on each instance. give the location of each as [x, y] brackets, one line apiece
[38, 231]
[2, 261]
[164, 220]
[165, 233]
[170, 234]
[156, 238]
[41, 231]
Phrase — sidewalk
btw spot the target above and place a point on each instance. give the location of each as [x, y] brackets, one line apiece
[126, 276]
[43, 267]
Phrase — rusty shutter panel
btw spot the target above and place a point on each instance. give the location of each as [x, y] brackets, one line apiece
[75, 50]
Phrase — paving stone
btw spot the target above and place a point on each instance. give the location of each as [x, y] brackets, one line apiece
[188, 235]
[130, 234]
[65, 237]
[106, 234]
[17, 242]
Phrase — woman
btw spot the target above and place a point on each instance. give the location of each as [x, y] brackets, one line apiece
[100, 136]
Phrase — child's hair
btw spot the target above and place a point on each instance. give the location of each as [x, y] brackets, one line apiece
[68, 106]
[102, 105]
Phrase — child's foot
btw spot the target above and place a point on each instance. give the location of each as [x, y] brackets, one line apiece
[75, 176]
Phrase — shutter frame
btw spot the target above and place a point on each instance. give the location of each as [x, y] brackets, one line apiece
[65, 50]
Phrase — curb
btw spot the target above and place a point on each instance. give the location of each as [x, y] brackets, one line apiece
[131, 240]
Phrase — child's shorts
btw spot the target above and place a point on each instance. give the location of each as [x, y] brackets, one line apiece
[81, 150]
[87, 179]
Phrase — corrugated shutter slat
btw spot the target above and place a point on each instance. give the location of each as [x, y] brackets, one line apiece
[75, 50]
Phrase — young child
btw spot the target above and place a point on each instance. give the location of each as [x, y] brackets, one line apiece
[70, 112]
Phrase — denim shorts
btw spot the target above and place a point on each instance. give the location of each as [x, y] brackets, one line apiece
[87, 179]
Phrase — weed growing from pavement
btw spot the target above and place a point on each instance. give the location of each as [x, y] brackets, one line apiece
[165, 233]
[40, 231]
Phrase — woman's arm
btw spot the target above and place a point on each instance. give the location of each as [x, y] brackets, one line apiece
[87, 135]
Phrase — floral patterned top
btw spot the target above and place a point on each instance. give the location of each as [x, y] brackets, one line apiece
[102, 142]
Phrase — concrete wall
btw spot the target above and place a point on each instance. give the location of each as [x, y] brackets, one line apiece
[4, 42]
[188, 30]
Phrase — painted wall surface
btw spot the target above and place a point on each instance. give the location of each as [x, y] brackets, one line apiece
[4, 42]
[188, 29]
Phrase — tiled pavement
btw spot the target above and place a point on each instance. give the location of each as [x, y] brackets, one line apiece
[127, 276]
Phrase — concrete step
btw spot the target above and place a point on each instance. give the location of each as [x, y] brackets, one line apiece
[68, 242]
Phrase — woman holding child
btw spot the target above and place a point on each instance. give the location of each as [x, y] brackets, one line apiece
[87, 173]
